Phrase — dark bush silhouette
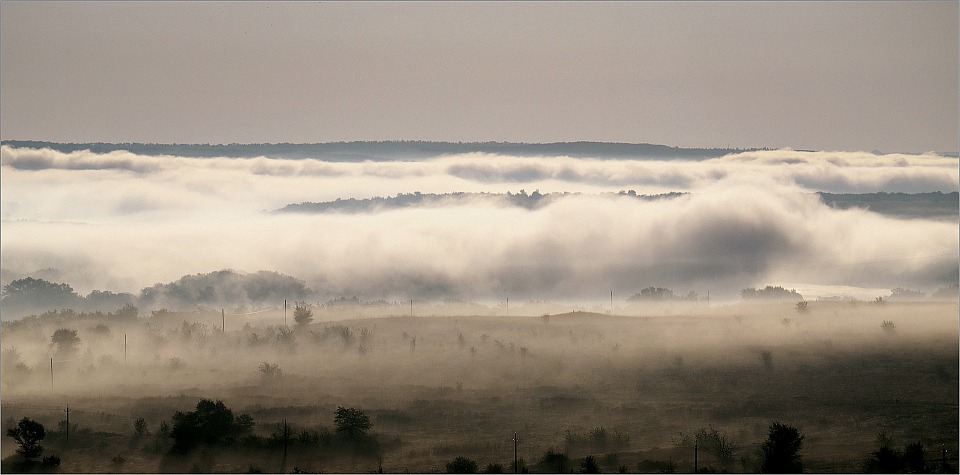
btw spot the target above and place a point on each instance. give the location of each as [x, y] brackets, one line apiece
[140, 426]
[652, 294]
[51, 461]
[914, 458]
[351, 423]
[770, 293]
[66, 341]
[493, 468]
[302, 314]
[780, 450]
[887, 459]
[589, 465]
[28, 433]
[714, 442]
[211, 423]
[557, 461]
[462, 465]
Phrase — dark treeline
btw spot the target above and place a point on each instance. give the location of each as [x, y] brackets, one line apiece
[905, 205]
[225, 288]
[521, 199]
[389, 150]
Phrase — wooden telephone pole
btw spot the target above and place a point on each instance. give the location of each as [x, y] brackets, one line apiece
[516, 461]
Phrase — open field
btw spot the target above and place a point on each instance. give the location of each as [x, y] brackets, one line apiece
[440, 387]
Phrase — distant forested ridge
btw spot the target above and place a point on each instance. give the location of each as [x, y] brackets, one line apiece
[902, 205]
[521, 199]
[935, 205]
[390, 150]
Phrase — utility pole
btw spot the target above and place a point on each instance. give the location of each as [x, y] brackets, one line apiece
[286, 437]
[943, 459]
[284, 312]
[611, 302]
[411, 307]
[124, 349]
[516, 463]
[223, 322]
[68, 423]
[696, 447]
[51, 374]
[508, 306]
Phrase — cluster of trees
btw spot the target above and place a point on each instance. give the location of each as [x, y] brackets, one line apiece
[912, 459]
[224, 288]
[214, 424]
[31, 296]
[770, 293]
[779, 453]
[521, 199]
[659, 294]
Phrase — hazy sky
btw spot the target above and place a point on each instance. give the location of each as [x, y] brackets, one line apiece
[817, 75]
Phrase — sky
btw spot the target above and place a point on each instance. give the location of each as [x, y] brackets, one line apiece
[852, 76]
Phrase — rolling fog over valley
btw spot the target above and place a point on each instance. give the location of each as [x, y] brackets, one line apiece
[545, 227]
[479, 237]
[617, 313]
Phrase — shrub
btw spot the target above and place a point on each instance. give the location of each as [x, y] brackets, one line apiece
[140, 426]
[211, 423]
[270, 370]
[493, 468]
[462, 465]
[780, 450]
[302, 314]
[51, 461]
[352, 423]
[28, 433]
[556, 461]
[589, 465]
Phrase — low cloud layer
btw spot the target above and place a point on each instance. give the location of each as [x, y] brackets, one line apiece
[123, 222]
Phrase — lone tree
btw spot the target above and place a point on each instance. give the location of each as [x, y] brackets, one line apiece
[351, 423]
[589, 465]
[302, 314]
[462, 465]
[28, 433]
[780, 450]
[211, 423]
[66, 340]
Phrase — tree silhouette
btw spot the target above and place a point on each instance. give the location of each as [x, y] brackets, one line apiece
[28, 433]
[589, 465]
[66, 340]
[302, 314]
[556, 461]
[780, 450]
[462, 465]
[351, 423]
[211, 423]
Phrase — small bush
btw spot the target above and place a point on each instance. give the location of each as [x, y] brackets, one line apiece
[589, 465]
[462, 465]
[493, 468]
[51, 461]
